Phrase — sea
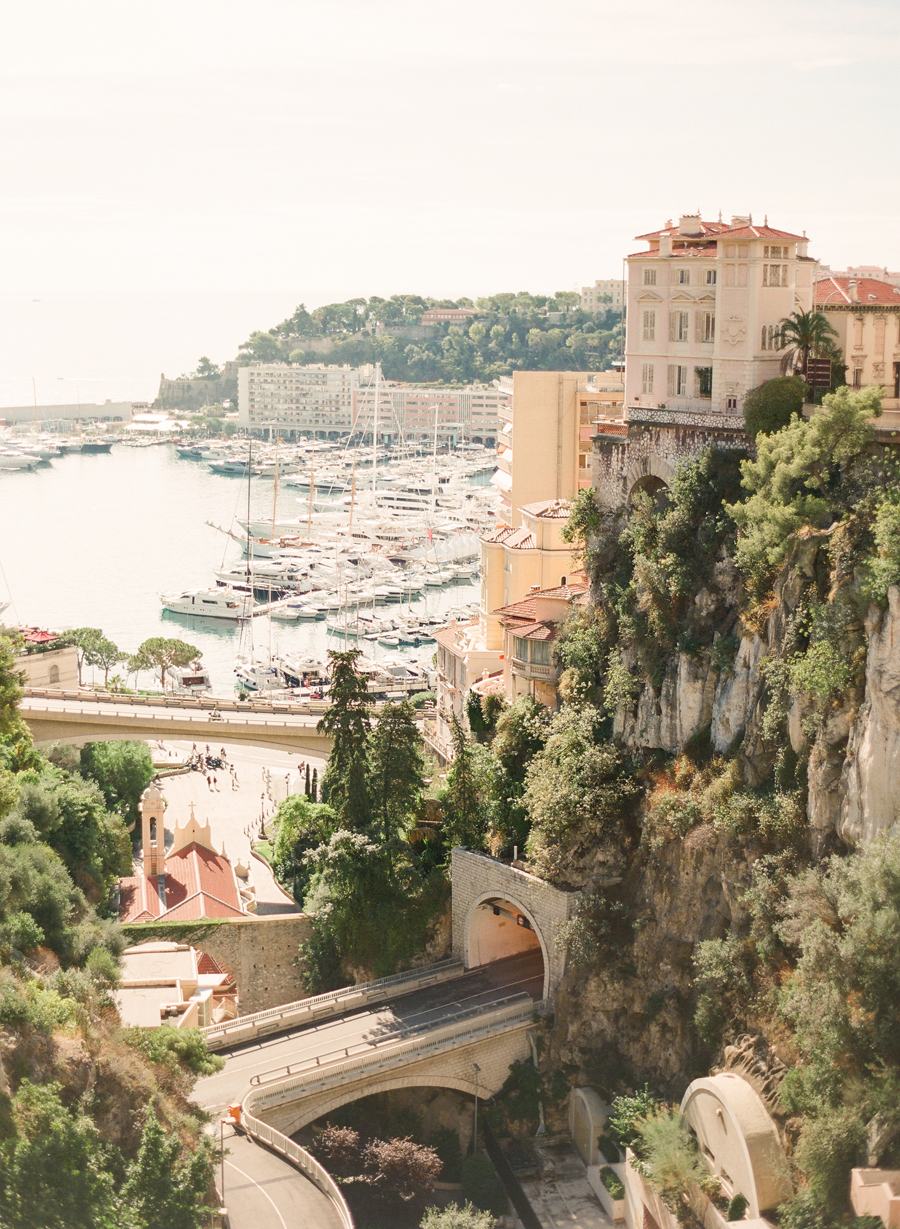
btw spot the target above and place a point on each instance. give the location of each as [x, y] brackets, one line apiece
[94, 539]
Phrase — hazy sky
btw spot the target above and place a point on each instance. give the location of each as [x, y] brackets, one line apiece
[175, 174]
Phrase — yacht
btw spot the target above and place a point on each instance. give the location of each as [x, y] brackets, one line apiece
[218, 603]
[11, 459]
[188, 680]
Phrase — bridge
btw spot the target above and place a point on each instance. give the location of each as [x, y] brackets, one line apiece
[80, 717]
[458, 1024]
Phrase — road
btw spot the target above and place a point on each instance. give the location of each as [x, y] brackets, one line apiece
[360, 1030]
[262, 1191]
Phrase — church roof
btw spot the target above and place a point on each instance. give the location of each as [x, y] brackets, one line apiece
[198, 883]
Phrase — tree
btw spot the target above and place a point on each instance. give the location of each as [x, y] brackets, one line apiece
[301, 826]
[261, 348]
[455, 1217]
[123, 770]
[207, 370]
[796, 478]
[401, 1169]
[770, 406]
[396, 768]
[482, 1185]
[160, 653]
[10, 685]
[805, 335]
[104, 654]
[161, 1186]
[465, 821]
[345, 783]
[84, 639]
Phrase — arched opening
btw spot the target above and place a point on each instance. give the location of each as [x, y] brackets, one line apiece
[657, 490]
[54, 674]
[503, 935]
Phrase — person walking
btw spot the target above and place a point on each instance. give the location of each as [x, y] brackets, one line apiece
[209, 782]
[216, 783]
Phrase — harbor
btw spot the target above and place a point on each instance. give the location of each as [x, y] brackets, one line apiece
[156, 524]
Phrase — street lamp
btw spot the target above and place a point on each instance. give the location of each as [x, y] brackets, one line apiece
[475, 1129]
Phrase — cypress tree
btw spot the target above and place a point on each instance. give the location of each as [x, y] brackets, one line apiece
[396, 768]
[345, 781]
[307, 781]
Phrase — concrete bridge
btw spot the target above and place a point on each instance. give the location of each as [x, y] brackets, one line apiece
[459, 1024]
[80, 717]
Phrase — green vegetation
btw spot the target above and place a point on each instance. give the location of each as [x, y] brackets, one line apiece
[482, 1186]
[123, 770]
[770, 406]
[511, 332]
[385, 1181]
[161, 653]
[456, 1217]
[805, 335]
[612, 1182]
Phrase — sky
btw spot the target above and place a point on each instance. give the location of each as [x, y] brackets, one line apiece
[174, 175]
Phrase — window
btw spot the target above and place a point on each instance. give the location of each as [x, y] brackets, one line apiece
[710, 277]
[646, 377]
[649, 326]
[684, 277]
[706, 326]
[54, 674]
[678, 326]
[703, 381]
[649, 277]
[678, 378]
[771, 337]
[731, 403]
[775, 275]
[775, 251]
[520, 648]
[857, 377]
[540, 652]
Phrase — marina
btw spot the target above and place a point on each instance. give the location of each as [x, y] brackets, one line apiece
[355, 577]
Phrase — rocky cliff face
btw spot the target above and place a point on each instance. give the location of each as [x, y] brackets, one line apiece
[851, 747]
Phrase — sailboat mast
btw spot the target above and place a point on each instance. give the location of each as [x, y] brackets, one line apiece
[275, 489]
[311, 488]
[375, 428]
[34, 393]
[352, 490]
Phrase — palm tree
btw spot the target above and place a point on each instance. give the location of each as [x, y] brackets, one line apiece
[805, 335]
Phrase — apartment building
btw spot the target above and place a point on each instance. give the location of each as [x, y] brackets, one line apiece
[530, 627]
[865, 313]
[314, 400]
[704, 302]
[604, 296]
[408, 411]
[546, 428]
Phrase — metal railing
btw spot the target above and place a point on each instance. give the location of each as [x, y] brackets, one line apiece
[333, 1001]
[194, 703]
[334, 1057]
[514, 1016]
[302, 1160]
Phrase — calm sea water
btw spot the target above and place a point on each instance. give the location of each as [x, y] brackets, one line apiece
[92, 540]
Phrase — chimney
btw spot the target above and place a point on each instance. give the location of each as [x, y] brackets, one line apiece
[853, 292]
[665, 245]
[689, 224]
[740, 219]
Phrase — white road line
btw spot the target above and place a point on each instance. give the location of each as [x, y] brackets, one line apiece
[260, 1189]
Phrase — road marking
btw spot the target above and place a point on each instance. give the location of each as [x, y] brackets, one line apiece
[260, 1189]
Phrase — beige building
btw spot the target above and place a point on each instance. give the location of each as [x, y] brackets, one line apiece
[44, 665]
[529, 631]
[409, 411]
[704, 302]
[173, 983]
[546, 428]
[865, 313]
[608, 295]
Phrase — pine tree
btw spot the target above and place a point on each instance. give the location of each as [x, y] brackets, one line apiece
[396, 768]
[464, 819]
[345, 782]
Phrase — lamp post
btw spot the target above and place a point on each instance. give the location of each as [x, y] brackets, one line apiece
[222, 1151]
[475, 1128]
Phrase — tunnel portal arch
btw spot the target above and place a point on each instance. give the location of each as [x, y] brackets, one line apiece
[496, 927]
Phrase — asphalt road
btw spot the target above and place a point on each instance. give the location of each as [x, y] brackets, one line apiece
[262, 1191]
[357, 1031]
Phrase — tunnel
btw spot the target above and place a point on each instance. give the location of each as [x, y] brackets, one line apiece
[501, 933]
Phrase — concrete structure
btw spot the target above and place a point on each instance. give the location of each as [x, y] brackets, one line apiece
[499, 909]
[876, 1192]
[408, 411]
[285, 397]
[604, 296]
[587, 1120]
[545, 434]
[42, 665]
[449, 315]
[79, 717]
[172, 983]
[739, 1140]
[865, 313]
[190, 881]
[529, 630]
[82, 411]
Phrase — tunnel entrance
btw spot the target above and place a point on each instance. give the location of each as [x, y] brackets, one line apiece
[501, 931]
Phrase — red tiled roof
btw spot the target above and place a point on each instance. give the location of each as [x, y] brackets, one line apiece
[526, 609]
[198, 883]
[34, 635]
[697, 249]
[550, 509]
[833, 292]
[447, 636]
[758, 232]
[506, 535]
[535, 631]
[706, 228]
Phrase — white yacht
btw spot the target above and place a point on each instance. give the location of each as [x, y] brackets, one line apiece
[188, 680]
[11, 459]
[218, 603]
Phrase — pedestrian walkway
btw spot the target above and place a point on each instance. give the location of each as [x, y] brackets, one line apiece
[263, 1191]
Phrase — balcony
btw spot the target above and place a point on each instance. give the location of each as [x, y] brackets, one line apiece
[531, 670]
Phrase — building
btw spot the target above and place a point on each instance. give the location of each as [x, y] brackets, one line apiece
[58, 415]
[874, 272]
[190, 881]
[410, 412]
[462, 660]
[173, 983]
[529, 630]
[704, 302]
[865, 313]
[315, 400]
[448, 315]
[604, 296]
[44, 661]
[546, 428]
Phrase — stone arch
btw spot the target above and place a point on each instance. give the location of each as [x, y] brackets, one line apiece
[305, 1112]
[501, 894]
[648, 467]
[54, 674]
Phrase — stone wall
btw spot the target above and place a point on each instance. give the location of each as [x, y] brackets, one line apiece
[478, 878]
[261, 953]
[655, 448]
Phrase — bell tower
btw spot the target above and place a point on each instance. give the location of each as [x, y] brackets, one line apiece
[152, 807]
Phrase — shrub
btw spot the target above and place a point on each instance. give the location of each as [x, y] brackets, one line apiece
[737, 1207]
[456, 1217]
[185, 1047]
[611, 1181]
[626, 1112]
[770, 406]
[445, 1142]
[482, 1185]
[608, 1146]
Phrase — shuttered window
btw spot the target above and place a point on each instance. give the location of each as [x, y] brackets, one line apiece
[649, 326]
[679, 324]
[647, 377]
[678, 376]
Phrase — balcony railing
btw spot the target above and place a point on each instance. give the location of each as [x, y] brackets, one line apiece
[531, 670]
